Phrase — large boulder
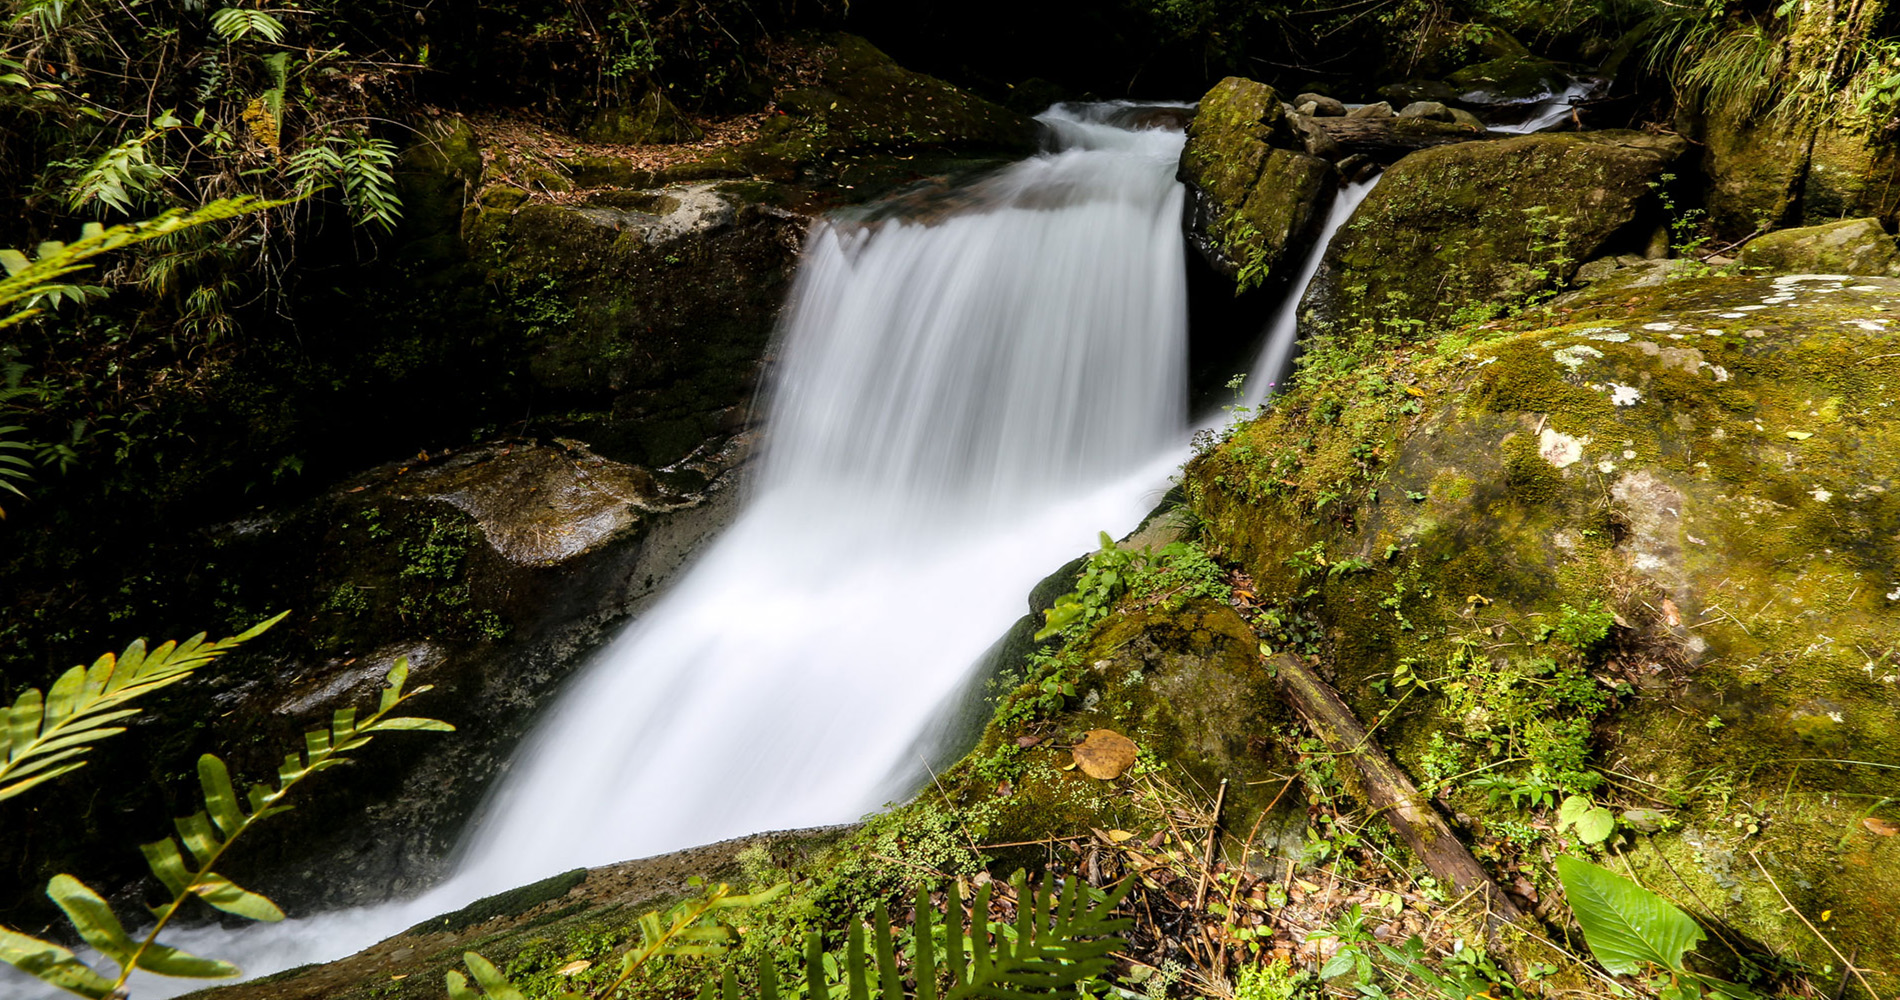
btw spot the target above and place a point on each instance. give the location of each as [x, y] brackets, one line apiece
[1481, 226]
[851, 99]
[1641, 549]
[1256, 197]
[1766, 171]
[1851, 246]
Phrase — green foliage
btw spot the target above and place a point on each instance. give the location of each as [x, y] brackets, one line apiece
[357, 164]
[44, 737]
[1172, 575]
[691, 929]
[189, 873]
[1058, 941]
[1593, 823]
[1630, 929]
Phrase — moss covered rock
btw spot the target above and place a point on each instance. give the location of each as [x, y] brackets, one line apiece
[1479, 227]
[1765, 170]
[854, 100]
[1852, 246]
[1256, 195]
[1668, 522]
[651, 119]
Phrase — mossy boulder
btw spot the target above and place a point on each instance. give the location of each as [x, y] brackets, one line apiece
[1514, 78]
[1765, 171]
[1256, 196]
[1481, 226]
[1851, 246]
[1705, 473]
[650, 120]
[855, 101]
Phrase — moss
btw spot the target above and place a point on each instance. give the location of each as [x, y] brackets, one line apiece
[1481, 226]
[511, 903]
[1733, 502]
[1256, 194]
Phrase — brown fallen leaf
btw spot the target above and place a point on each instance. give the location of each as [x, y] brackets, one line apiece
[1671, 613]
[1880, 827]
[571, 968]
[1028, 741]
[1104, 754]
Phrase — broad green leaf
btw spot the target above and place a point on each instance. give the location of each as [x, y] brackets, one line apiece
[228, 896]
[91, 917]
[220, 798]
[458, 988]
[1627, 926]
[409, 723]
[195, 831]
[172, 962]
[52, 964]
[169, 865]
[493, 982]
[392, 684]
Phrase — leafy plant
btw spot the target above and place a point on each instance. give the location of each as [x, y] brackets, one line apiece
[45, 735]
[234, 24]
[1059, 940]
[1594, 823]
[689, 929]
[206, 835]
[1629, 929]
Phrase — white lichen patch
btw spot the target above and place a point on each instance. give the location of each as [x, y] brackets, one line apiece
[1624, 395]
[1820, 494]
[1606, 466]
[1606, 334]
[1576, 356]
[1560, 450]
[1869, 325]
[1720, 373]
[1795, 279]
[1659, 327]
[1732, 315]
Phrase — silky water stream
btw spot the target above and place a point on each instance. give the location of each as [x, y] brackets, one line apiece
[962, 402]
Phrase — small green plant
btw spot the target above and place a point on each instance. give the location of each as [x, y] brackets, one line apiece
[1175, 573]
[206, 835]
[1631, 929]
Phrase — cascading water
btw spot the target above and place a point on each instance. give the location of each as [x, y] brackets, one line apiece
[1551, 110]
[963, 402]
[1276, 352]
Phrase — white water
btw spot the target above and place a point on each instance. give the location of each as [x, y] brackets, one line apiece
[1276, 353]
[961, 406]
[1550, 110]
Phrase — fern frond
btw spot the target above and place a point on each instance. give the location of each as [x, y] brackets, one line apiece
[206, 836]
[27, 278]
[233, 24]
[42, 737]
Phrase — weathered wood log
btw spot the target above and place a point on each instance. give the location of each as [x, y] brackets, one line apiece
[1412, 816]
[1387, 139]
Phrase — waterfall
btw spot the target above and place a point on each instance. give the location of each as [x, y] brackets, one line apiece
[1276, 352]
[963, 401]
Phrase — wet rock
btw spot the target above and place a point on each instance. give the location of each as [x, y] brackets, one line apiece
[1255, 192]
[1511, 79]
[1322, 105]
[1432, 110]
[1413, 91]
[1379, 109]
[1459, 226]
[1851, 246]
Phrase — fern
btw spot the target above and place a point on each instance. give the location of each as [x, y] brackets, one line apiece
[234, 25]
[44, 736]
[1057, 942]
[358, 164]
[206, 835]
[127, 173]
[13, 466]
[27, 280]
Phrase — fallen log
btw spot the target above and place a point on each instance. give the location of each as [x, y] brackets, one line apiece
[1387, 139]
[1512, 934]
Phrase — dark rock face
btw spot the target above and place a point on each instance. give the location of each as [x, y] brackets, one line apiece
[1486, 222]
[1255, 196]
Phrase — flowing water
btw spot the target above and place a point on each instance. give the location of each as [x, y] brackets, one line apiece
[963, 402]
[1276, 351]
[1551, 110]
